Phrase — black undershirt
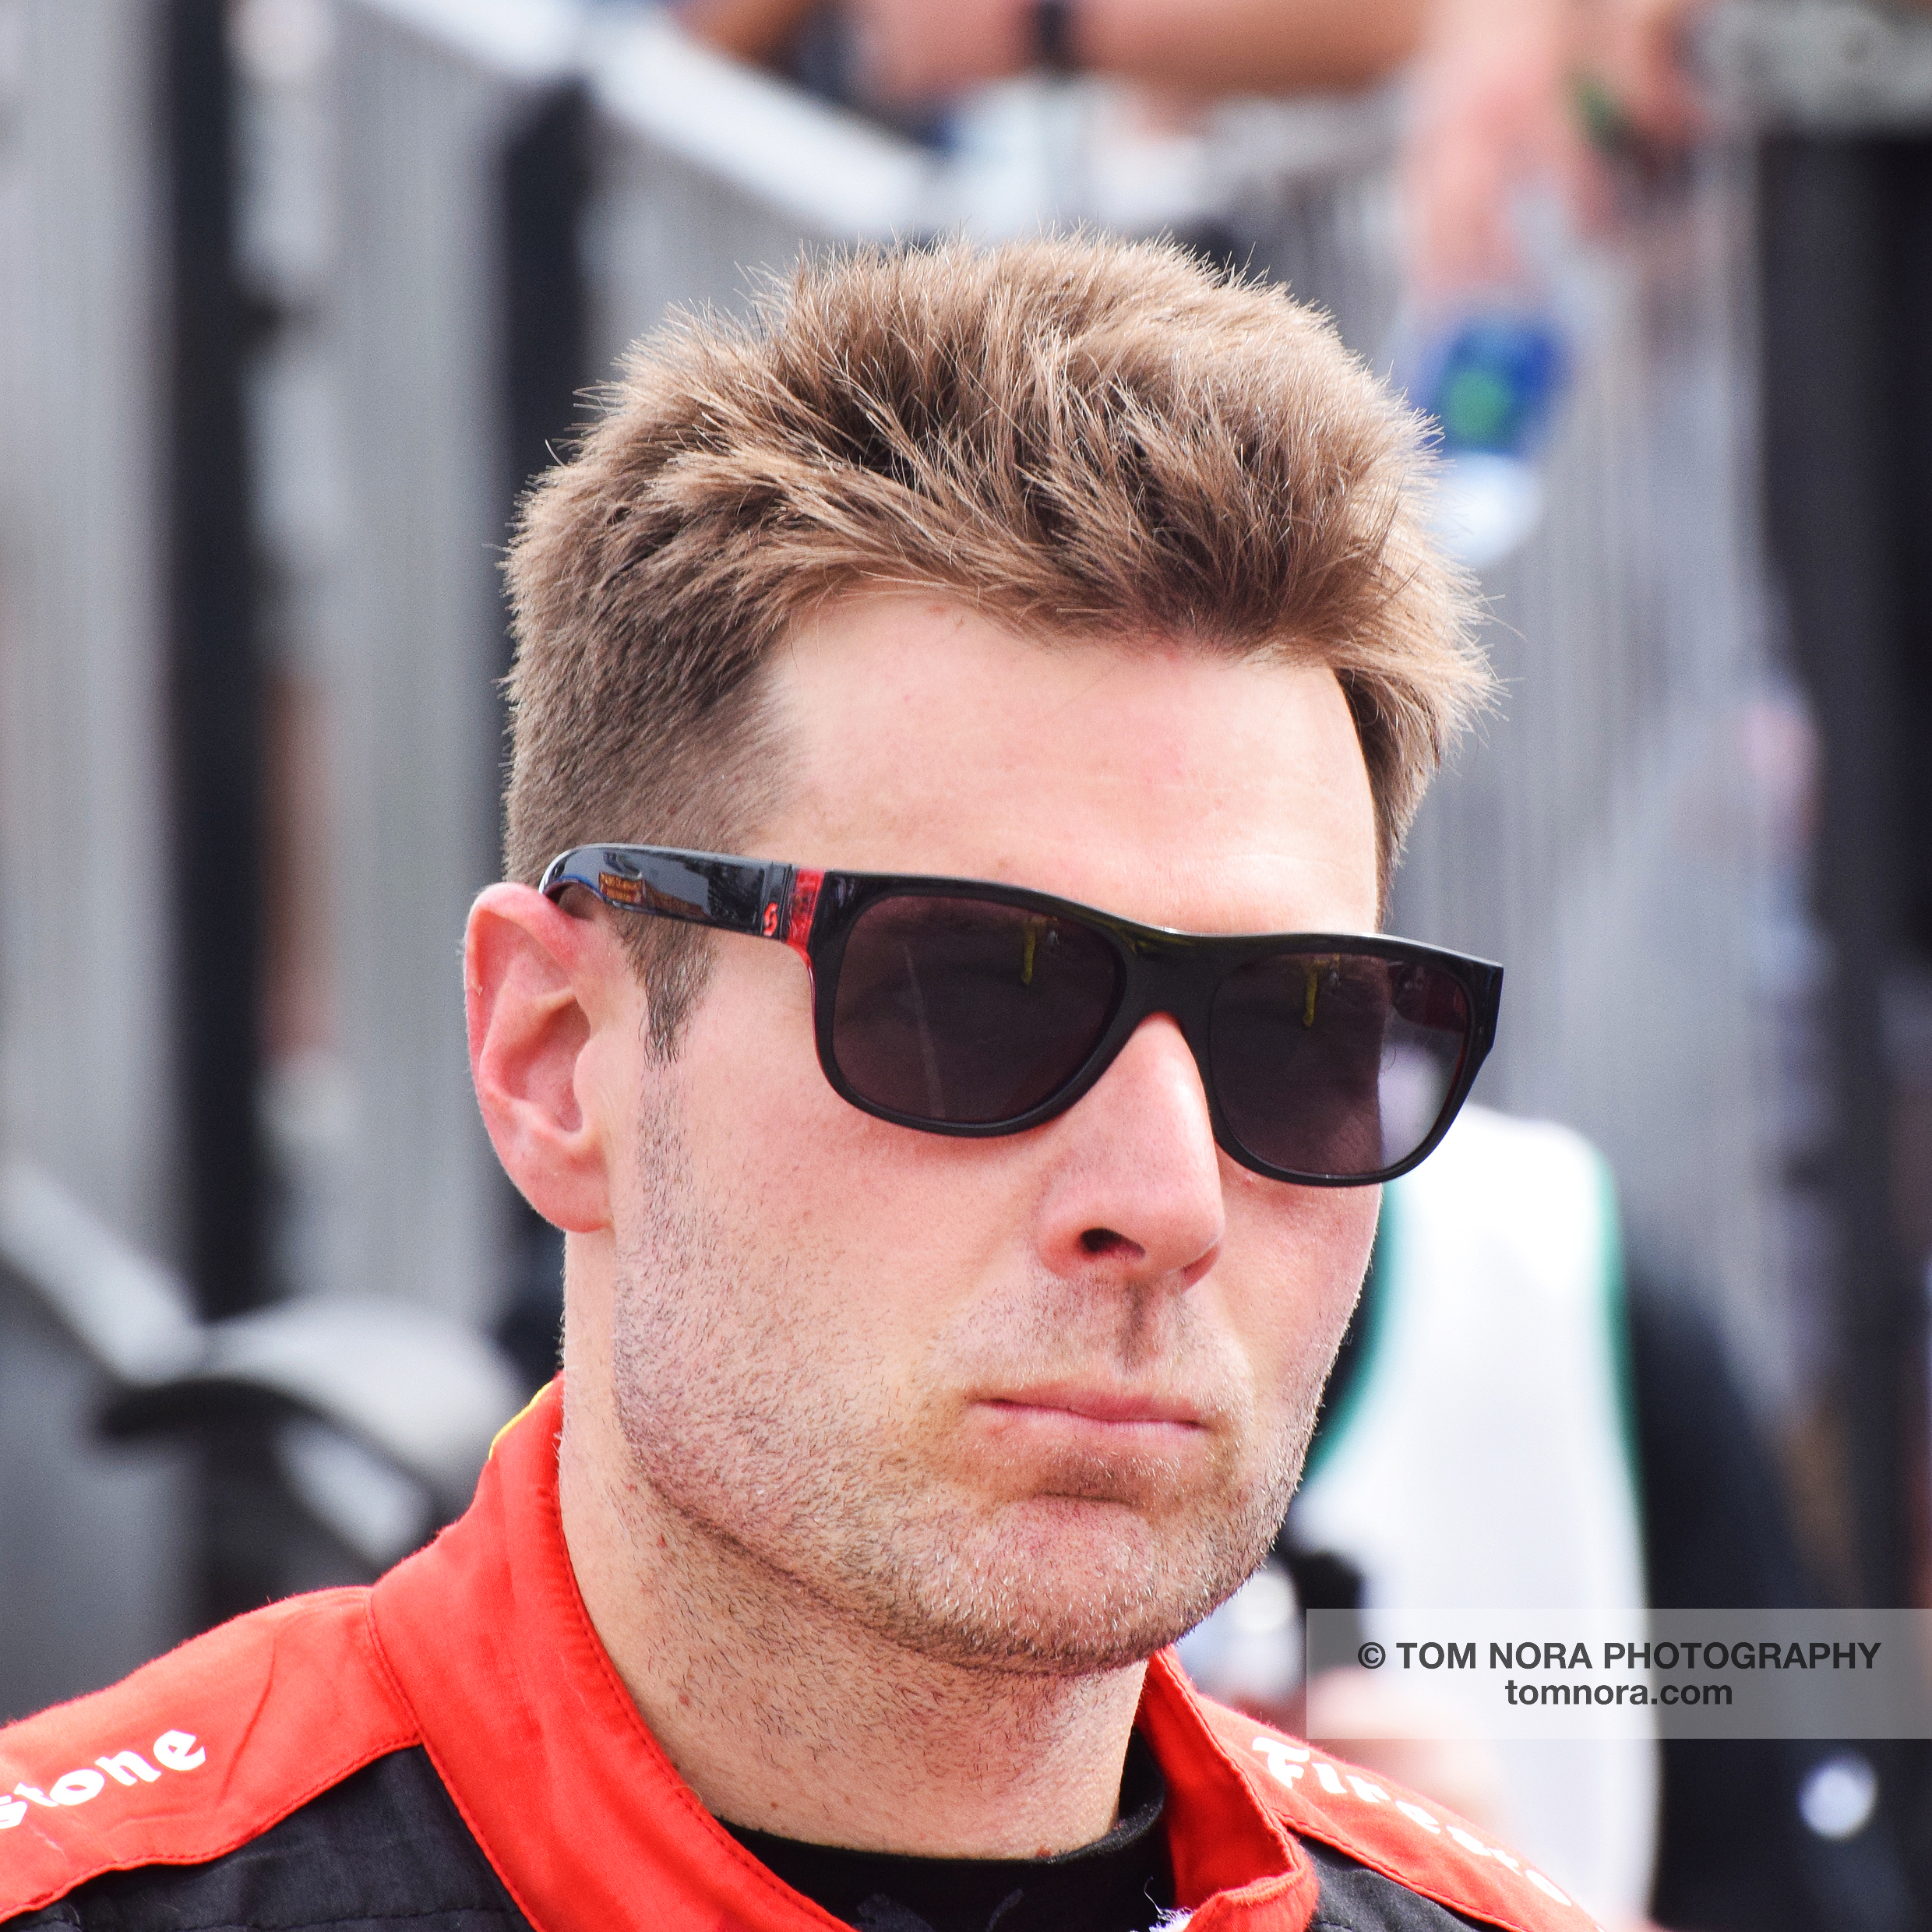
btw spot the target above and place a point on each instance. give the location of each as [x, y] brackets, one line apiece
[1120, 1882]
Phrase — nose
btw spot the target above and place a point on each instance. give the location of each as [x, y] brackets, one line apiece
[1135, 1194]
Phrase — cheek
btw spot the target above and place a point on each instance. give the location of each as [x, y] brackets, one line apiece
[759, 1116]
[1297, 1257]
[886, 1228]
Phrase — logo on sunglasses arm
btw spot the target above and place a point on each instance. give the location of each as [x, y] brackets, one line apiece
[620, 890]
[173, 1750]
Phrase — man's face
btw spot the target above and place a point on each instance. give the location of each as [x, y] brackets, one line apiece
[1036, 1401]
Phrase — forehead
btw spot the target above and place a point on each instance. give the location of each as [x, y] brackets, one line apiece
[1162, 780]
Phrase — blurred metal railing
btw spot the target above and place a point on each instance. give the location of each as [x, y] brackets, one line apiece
[94, 1564]
[1614, 838]
[86, 937]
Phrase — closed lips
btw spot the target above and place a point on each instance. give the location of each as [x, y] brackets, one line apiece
[1102, 1406]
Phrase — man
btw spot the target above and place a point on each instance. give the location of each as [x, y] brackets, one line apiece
[955, 1253]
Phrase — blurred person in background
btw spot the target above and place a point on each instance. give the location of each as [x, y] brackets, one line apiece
[902, 53]
[946, 1309]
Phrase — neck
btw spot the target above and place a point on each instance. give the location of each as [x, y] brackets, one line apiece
[783, 1715]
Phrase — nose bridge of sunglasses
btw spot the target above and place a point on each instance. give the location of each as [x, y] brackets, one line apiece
[1172, 975]
[1179, 962]
[1159, 951]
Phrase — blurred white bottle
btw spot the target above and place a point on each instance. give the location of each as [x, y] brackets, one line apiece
[1491, 377]
[1492, 364]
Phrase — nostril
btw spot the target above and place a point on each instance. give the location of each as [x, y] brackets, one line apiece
[1103, 1241]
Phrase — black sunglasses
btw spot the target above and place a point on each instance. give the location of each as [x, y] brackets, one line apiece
[957, 1007]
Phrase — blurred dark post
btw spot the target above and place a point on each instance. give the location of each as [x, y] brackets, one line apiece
[547, 185]
[547, 182]
[217, 677]
[1848, 334]
[215, 721]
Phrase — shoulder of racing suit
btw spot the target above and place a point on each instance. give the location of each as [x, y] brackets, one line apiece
[384, 1851]
[199, 1752]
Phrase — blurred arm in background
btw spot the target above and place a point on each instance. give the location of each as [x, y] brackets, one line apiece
[923, 50]
[1505, 95]
[1509, 97]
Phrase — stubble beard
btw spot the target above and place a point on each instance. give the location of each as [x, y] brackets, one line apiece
[759, 1425]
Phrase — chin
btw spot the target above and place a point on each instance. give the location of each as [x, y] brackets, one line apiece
[1062, 1588]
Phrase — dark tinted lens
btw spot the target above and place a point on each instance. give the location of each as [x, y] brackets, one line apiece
[966, 1011]
[1336, 1064]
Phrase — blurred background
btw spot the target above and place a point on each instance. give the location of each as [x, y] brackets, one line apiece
[296, 295]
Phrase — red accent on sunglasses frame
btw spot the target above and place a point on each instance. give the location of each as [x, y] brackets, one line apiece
[804, 902]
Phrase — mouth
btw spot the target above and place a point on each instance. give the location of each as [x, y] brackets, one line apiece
[1075, 1406]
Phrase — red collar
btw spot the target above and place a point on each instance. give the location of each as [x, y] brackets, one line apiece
[582, 1814]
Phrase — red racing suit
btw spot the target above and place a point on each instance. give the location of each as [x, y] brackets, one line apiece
[478, 1651]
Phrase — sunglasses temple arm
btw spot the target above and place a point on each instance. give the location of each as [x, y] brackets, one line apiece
[733, 895]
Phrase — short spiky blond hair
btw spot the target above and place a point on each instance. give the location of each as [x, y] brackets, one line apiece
[1078, 436]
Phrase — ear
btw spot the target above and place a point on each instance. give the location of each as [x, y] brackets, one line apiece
[545, 995]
